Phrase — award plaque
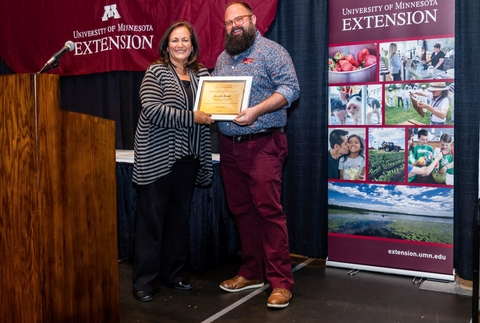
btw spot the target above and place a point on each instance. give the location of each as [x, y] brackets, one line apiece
[223, 97]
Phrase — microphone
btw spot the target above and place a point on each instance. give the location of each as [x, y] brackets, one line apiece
[53, 61]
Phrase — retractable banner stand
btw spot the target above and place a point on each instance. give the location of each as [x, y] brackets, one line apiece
[391, 136]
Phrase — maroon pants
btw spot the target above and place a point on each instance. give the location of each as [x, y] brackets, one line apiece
[252, 176]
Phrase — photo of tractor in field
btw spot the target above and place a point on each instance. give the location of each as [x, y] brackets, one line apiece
[389, 146]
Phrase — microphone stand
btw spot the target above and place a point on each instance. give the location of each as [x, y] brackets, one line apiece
[49, 67]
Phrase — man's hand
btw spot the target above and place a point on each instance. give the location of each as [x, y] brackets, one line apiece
[246, 117]
[273, 103]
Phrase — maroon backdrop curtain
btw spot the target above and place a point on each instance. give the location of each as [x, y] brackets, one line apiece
[108, 36]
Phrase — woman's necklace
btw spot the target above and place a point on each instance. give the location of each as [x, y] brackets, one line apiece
[183, 75]
[180, 71]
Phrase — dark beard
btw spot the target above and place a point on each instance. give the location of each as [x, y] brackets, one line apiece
[235, 45]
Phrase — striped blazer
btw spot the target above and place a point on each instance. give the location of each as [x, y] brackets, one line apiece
[166, 130]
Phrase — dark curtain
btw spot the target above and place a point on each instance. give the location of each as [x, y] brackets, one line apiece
[467, 44]
[4, 69]
[301, 26]
[112, 95]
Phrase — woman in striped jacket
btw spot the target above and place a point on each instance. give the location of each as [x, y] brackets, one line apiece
[172, 154]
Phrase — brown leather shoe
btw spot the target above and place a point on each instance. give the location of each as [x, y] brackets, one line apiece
[279, 298]
[238, 283]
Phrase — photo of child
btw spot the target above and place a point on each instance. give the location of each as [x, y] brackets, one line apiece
[419, 170]
[346, 156]
[352, 165]
[443, 173]
[423, 152]
[430, 160]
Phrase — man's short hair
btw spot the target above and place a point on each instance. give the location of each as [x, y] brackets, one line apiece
[336, 137]
[437, 45]
[242, 3]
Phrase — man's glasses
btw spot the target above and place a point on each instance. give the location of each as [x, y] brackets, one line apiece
[238, 21]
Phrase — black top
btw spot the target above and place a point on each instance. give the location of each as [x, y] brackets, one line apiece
[188, 89]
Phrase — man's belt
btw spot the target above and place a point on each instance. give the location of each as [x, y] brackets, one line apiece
[250, 136]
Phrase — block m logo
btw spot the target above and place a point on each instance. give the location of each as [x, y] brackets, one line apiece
[110, 11]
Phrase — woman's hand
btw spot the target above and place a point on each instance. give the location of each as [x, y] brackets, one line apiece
[201, 117]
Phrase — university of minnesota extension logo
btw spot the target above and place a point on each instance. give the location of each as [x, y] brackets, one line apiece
[112, 34]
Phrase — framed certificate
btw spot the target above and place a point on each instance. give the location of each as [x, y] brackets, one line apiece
[223, 97]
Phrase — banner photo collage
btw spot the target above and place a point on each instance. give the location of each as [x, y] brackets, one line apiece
[391, 75]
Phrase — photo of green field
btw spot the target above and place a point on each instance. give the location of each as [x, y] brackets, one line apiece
[421, 213]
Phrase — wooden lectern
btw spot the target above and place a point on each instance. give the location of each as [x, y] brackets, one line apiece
[58, 232]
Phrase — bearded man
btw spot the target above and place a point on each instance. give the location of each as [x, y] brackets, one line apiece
[253, 148]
